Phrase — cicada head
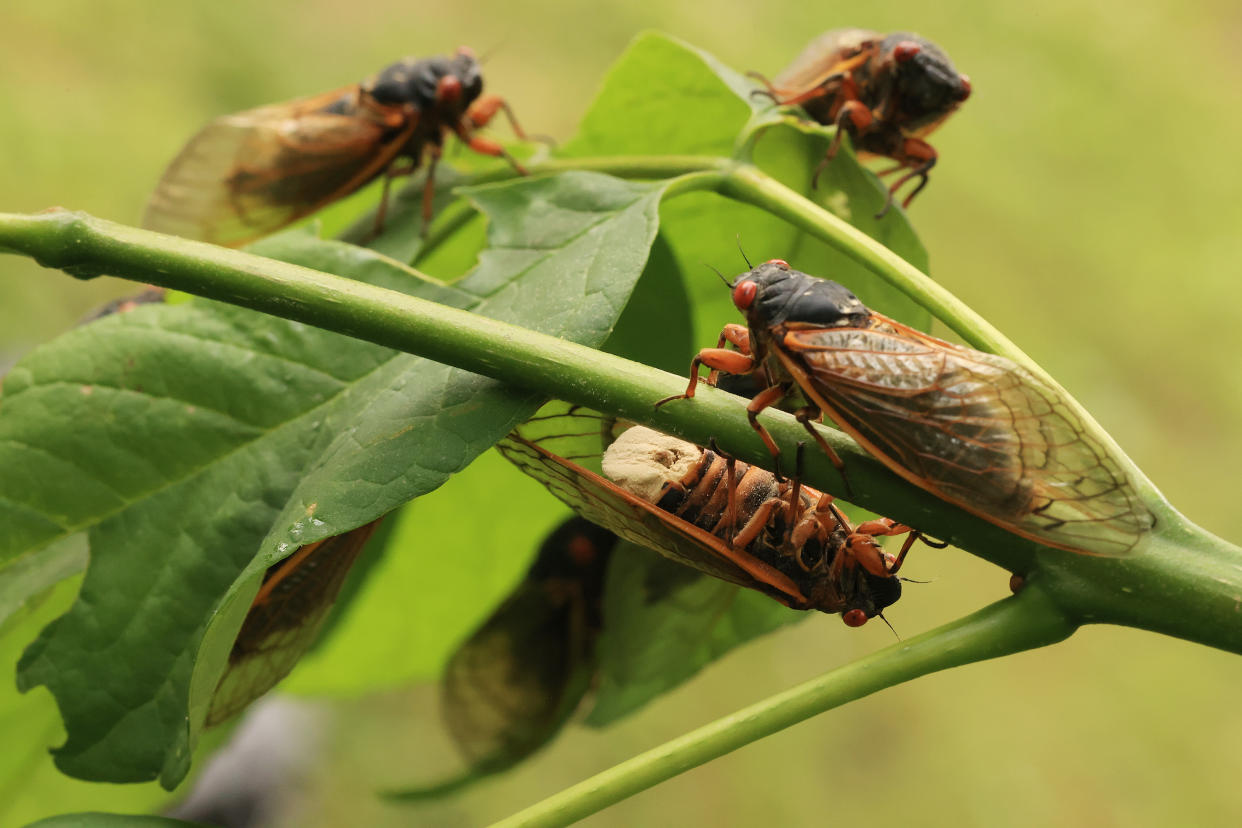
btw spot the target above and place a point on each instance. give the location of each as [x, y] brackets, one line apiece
[774, 293]
[446, 84]
[926, 87]
[871, 595]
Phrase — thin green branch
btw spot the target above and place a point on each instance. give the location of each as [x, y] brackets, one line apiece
[1023, 622]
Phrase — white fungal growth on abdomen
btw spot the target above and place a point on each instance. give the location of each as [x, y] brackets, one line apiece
[642, 461]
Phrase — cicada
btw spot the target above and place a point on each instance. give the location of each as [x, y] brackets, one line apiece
[889, 92]
[285, 618]
[248, 174]
[726, 518]
[975, 429]
[149, 296]
[510, 686]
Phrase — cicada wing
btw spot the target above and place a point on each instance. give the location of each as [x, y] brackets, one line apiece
[975, 429]
[511, 685]
[513, 682]
[285, 618]
[605, 504]
[248, 174]
[824, 56]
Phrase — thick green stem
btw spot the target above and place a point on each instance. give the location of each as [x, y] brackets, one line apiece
[1023, 622]
[1180, 581]
[87, 246]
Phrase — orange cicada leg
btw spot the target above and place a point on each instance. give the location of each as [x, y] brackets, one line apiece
[719, 359]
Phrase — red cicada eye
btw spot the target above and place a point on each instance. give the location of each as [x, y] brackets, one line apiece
[582, 550]
[905, 50]
[744, 294]
[854, 618]
[965, 93]
[781, 263]
[448, 89]
[465, 51]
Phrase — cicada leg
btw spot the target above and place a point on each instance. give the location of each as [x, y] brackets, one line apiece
[863, 546]
[395, 171]
[729, 520]
[853, 117]
[920, 157]
[719, 359]
[736, 335]
[486, 146]
[808, 414]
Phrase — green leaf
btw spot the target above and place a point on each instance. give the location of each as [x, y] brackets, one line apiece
[663, 622]
[30, 785]
[96, 819]
[662, 97]
[197, 436]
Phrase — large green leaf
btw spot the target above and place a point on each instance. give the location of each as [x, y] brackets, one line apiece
[187, 439]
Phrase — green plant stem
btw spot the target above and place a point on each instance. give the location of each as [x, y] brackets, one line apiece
[1025, 621]
[1181, 581]
[87, 246]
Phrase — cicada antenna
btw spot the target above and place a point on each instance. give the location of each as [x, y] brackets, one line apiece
[490, 52]
[749, 266]
[880, 616]
[727, 283]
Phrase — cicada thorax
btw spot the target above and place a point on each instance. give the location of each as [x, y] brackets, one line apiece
[973, 428]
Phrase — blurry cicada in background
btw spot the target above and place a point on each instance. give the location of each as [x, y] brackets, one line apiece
[510, 686]
[248, 174]
[148, 296]
[975, 429]
[889, 92]
[731, 520]
[285, 618]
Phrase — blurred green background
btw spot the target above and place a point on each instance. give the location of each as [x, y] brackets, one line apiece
[1086, 202]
